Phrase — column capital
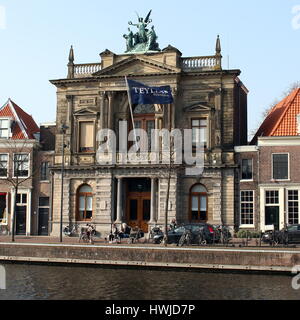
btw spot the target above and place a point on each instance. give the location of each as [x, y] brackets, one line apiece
[110, 94]
[69, 98]
[175, 91]
[102, 94]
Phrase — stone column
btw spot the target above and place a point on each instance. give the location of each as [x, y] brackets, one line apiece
[173, 111]
[153, 201]
[110, 96]
[69, 112]
[218, 119]
[102, 110]
[119, 201]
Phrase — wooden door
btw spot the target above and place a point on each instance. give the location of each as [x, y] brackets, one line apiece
[139, 210]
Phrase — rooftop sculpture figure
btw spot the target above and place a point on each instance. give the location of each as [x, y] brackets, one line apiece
[144, 40]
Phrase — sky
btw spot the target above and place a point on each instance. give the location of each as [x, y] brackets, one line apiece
[259, 37]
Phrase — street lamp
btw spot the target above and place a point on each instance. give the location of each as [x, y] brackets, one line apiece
[63, 131]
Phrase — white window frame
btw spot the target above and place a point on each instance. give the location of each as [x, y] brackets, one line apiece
[272, 163]
[247, 226]
[13, 160]
[287, 202]
[9, 120]
[4, 153]
[263, 204]
[246, 180]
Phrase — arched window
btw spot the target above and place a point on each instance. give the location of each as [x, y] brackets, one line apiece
[85, 203]
[198, 203]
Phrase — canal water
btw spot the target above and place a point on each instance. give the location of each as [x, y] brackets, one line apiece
[40, 282]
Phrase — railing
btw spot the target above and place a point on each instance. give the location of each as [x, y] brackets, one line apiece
[86, 69]
[201, 63]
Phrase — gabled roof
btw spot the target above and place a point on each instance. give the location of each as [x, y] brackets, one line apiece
[281, 120]
[136, 65]
[24, 126]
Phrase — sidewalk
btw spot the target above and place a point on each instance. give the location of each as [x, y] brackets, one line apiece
[237, 243]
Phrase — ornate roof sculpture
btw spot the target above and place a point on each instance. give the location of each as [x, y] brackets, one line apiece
[144, 40]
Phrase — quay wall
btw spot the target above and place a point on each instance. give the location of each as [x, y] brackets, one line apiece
[280, 260]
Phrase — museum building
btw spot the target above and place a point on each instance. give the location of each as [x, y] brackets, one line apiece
[208, 99]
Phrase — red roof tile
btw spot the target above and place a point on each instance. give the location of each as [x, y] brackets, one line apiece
[282, 118]
[25, 127]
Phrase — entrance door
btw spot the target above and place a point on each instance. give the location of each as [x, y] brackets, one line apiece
[21, 220]
[139, 209]
[272, 216]
[43, 221]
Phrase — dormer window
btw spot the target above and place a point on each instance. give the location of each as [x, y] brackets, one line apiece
[4, 128]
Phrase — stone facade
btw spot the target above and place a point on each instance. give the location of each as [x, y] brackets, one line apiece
[97, 94]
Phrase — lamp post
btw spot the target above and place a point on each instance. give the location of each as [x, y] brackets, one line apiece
[63, 130]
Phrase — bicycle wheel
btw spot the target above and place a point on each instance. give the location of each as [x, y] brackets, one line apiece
[188, 239]
[182, 240]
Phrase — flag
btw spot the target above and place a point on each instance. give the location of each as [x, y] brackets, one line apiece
[142, 94]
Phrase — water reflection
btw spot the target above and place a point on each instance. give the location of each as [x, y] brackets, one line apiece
[64, 282]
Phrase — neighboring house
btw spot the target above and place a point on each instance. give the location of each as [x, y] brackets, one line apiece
[272, 195]
[20, 154]
[209, 100]
[43, 181]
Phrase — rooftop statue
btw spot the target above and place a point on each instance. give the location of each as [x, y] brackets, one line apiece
[144, 40]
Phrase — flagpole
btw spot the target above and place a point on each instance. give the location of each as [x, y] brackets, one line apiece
[131, 110]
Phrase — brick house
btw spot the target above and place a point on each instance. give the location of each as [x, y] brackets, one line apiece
[209, 100]
[268, 184]
[21, 157]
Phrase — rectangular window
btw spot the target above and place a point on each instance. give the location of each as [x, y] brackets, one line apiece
[4, 128]
[44, 201]
[293, 206]
[199, 132]
[272, 197]
[21, 165]
[3, 165]
[247, 169]
[247, 207]
[45, 171]
[22, 198]
[280, 166]
[86, 137]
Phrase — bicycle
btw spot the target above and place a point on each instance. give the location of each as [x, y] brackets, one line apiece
[186, 238]
[224, 234]
[87, 233]
[71, 231]
[135, 235]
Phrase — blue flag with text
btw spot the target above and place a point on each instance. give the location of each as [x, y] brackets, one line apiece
[142, 94]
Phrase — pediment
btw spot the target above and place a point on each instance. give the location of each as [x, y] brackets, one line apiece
[198, 107]
[86, 112]
[136, 65]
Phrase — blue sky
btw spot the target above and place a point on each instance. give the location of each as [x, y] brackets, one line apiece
[258, 37]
